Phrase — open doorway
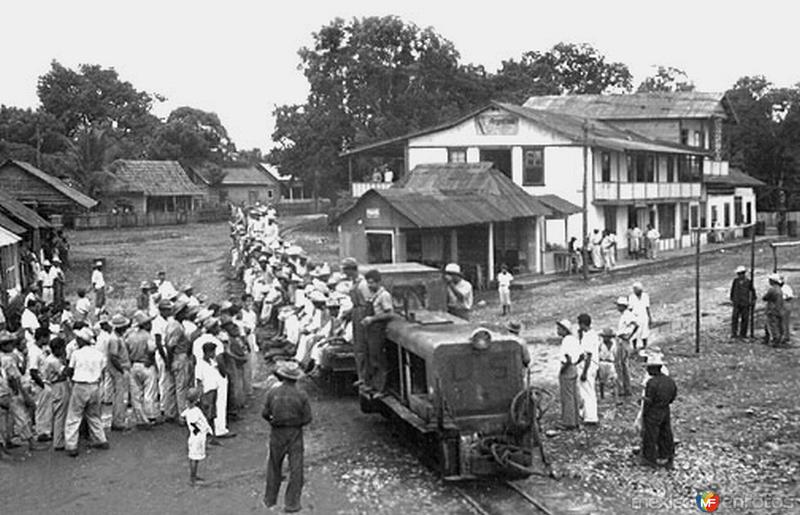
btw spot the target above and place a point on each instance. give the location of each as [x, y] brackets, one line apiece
[501, 157]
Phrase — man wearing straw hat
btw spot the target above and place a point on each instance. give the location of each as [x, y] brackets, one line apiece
[287, 409]
[143, 379]
[658, 446]
[86, 367]
[568, 375]
[742, 296]
[99, 286]
[774, 311]
[119, 368]
[459, 292]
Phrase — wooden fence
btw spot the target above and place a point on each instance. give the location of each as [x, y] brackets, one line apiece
[119, 220]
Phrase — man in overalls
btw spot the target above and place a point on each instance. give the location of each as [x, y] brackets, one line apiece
[359, 295]
[380, 310]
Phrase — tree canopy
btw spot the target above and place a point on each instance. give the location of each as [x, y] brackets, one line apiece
[666, 79]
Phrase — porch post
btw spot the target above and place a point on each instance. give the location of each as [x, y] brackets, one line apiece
[454, 245]
[538, 250]
[490, 262]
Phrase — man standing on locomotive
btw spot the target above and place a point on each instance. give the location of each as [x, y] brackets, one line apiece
[379, 311]
[459, 292]
[359, 294]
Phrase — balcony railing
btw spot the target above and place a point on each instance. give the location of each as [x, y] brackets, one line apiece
[359, 188]
[711, 167]
[646, 190]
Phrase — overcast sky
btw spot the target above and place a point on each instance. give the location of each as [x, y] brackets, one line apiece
[239, 58]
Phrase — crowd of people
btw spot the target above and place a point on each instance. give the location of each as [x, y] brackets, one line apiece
[602, 248]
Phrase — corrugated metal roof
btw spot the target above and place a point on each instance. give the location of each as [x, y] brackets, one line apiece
[657, 105]
[598, 132]
[11, 225]
[735, 177]
[558, 204]
[247, 176]
[151, 178]
[479, 179]
[8, 238]
[22, 214]
[71, 193]
[429, 209]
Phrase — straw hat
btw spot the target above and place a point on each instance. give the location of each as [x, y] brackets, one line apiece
[608, 333]
[622, 301]
[141, 318]
[119, 320]
[514, 327]
[289, 370]
[453, 269]
[741, 270]
[654, 360]
[349, 264]
[85, 334]
[774, 278]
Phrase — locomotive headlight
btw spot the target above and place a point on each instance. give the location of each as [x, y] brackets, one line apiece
[480, 339]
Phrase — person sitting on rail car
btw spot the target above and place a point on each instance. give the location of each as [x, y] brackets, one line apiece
[380, 310]
[459, 292]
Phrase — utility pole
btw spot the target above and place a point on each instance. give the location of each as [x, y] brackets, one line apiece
[585, 198]
[697, 291]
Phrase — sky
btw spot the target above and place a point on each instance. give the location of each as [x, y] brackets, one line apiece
[238, 58]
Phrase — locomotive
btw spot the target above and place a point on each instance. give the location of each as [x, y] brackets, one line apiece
[458, 391]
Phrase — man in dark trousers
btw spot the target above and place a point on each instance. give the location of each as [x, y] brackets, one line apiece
[774, 311]
[287, 409]
[658, 447]
[743, 296]
[359, 295]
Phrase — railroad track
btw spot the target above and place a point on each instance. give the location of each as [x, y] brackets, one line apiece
[493, 501]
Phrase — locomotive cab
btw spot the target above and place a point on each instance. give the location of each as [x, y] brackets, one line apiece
[455, 395]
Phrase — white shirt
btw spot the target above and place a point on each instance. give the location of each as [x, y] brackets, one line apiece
[788, 293]
[249, 319]
[590, 343]
[639, 306]
[504, 280]
[28, 321]
[102, 341]
[83, 306]
[208, 374]
[570, 347]
[35, 354]
[87, 364]
[98, 281]
[627, 324]
[167, 290]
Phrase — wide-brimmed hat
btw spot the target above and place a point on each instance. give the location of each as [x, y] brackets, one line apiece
[203, 315]
[514, 327]
[638, 285]
[349, 264]
[775, 278]
[335, 278]
[453, 269]
[7, 337]
[608, 333]
[741, 270]
[187, 287]
[289, 370]
[294, 250]
[317, 297]
[622, 301]
[179, 306]
[85, 334]
[565, 323]
[147, 285]
[141, 318]
[98, 263]
[654, 360]
[56, 259]
[119, 320]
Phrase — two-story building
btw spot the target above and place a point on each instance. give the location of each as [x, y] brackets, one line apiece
[637, 159]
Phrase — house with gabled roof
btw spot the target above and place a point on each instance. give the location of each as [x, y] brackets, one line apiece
[42, 192]
[151, 186]
[632, 160]
[470, 213]
[241, 185]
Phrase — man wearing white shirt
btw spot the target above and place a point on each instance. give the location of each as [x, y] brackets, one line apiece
[568, 375]
[99, 286]
[590, 348]
[29, 321]
[626, 328]
[47, 277]
[639, 304]
[165, 288]
[166, 385]
[86, 365]
[207, 339]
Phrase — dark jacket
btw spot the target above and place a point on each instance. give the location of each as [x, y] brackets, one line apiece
[659, 393]
[742, 292]
[287, 406]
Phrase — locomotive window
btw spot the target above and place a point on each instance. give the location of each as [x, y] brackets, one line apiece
[419, 380]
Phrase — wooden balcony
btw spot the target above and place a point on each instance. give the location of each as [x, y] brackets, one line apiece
[644, 191]
[359, 188]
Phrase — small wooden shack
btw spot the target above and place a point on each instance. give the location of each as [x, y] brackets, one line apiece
[23, 221]
[42, 192]
[10, 270]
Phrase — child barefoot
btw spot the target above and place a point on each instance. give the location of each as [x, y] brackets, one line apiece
[198, 430]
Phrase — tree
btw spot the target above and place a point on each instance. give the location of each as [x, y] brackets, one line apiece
[567, 68]
[765, 141]
[369, 78]
[666, 79]
[192, 135]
